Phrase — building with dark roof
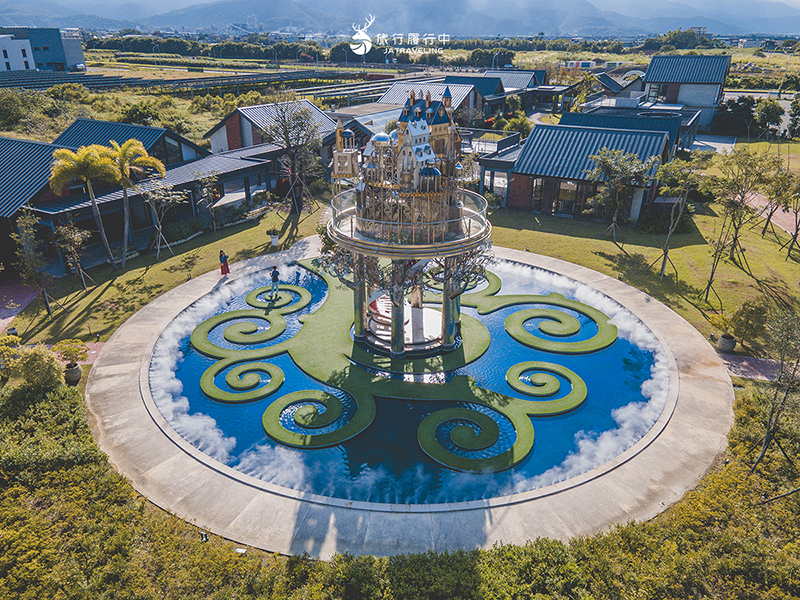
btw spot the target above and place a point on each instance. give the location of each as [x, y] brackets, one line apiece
[696, 82]
[490, 95]
[550, 175]
[670, 123]
[25, 172]
[620, 107]
[244, 126]
[462, 96]
[164, 144]
[611, 87]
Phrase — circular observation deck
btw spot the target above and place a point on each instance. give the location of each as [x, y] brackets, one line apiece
[465, 228]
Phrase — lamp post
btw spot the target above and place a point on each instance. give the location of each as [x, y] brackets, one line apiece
[155, 59]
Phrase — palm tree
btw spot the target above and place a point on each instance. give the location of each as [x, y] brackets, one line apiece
[88, 163]
[131, 158]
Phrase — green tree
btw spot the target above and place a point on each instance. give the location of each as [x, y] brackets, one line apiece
[620, 173]
[768, 112]
[521, 124]
[780, 186]
[31, 261]
[87, 164]
[743, 172]
[794, 117]
[736, 116]
[133, 163]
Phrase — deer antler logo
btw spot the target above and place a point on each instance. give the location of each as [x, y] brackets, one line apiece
[362, 43]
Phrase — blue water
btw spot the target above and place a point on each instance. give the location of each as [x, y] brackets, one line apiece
[385, 463]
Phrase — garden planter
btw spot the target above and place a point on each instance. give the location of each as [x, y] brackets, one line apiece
[726, 343]
[72, 374]
[276, 240]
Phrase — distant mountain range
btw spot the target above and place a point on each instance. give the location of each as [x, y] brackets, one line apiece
[453, 17]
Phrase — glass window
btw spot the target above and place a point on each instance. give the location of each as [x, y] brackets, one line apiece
[658, 92]
[24, 53]
[536, 194]
[567, 194]
[173, 151]
[26, 65]
[8, 66]
[5, 53]
[46, 48]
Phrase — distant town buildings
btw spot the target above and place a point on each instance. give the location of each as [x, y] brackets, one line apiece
[42, 49]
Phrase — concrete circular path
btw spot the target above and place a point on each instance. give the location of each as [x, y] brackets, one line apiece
[637, 484]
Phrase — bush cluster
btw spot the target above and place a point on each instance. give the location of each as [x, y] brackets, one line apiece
[180, 230]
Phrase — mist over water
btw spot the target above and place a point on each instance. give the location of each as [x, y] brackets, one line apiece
[384, 463]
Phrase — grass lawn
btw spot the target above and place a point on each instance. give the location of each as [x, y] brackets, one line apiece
[118, 295]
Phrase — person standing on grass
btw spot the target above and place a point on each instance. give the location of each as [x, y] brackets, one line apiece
[223, 263]
[275, 277]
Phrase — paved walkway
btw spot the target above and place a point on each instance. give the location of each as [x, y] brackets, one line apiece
[638, 484]
[749, 367]
[782, 219]
[13, 298]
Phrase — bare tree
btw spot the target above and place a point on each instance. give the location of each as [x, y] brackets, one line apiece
[161, 197]
[294, 129]
[679, 178]
[206, 186]
[31, 261]
[781, 403]
[71, 241]
[744, 171]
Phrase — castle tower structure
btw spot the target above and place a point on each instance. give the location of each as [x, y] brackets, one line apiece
[403, 222]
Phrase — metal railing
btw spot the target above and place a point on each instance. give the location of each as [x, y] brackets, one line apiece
[465, 227]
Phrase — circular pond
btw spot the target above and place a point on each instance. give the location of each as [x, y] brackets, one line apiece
[551, 379]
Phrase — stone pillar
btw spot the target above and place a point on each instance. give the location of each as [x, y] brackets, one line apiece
[360, 302]
[398, 318]
[416, 297]
[448, 309]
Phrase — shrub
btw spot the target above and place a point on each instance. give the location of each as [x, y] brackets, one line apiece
[180, 230]
[71, 351]
[749, 321]
[40, 368]
[656, 219]
[318, 186]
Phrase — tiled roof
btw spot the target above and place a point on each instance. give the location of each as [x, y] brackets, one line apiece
[514, 80]
[488, 87]
[688, 69]
[24, 170]
[83, 132]
[563, 151]
[609, 82]
[638, 122]
[179, 176]
[377, 122]
[263, 116]
[541, 76]
[399, 92]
